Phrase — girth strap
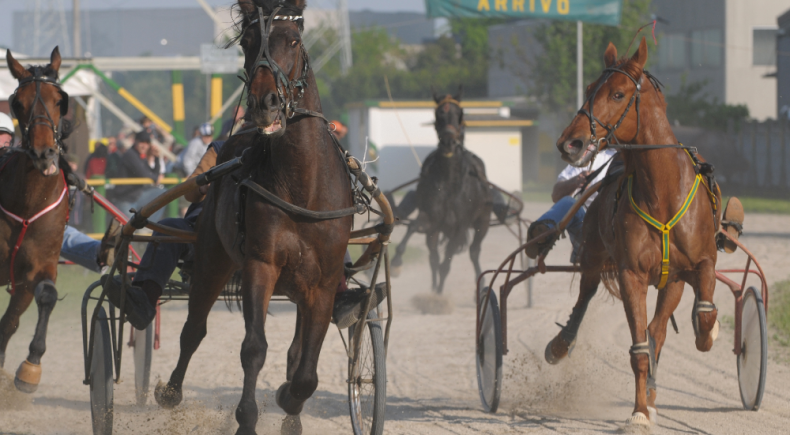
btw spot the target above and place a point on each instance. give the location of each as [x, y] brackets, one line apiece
[664, 228]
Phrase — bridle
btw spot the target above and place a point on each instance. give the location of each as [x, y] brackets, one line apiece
[288, 102]
[460, 129]
[40, 78]
[610, 139]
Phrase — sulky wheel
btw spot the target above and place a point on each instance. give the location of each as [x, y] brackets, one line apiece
[753, 360]
[101, 381]
[143, 349]
[489, 353]
[367, 386]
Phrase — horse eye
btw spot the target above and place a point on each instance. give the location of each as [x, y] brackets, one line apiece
[618, 96]
[294, 43]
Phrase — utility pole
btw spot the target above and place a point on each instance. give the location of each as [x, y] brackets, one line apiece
[346, 61]
[77, 29]
[579, 65]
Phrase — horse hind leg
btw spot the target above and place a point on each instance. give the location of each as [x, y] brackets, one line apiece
[563, 343]
[668, 300]
[28, 375]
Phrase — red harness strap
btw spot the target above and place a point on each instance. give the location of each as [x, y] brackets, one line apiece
[25, 224]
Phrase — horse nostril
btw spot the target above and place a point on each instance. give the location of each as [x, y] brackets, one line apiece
[270, 101]
[572, 146]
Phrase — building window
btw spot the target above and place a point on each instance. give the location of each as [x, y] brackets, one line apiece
[764, 46]
[706, 48]
[672, 51]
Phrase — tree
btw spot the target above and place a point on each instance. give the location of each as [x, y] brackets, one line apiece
[692, 107]
[553, 71]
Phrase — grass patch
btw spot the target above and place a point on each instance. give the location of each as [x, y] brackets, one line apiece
[779, 318]
[764, 205]
[727, 322]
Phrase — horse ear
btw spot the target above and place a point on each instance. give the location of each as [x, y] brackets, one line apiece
[299, 4]
[54, 59]
[436, 97]
[640, 57]
[246, 6]
[460, 93]
[17, 70]
[610, 55]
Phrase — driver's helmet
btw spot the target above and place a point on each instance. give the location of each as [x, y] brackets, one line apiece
[6, 124]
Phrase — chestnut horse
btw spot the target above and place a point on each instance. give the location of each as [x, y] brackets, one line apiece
[660, 181]
[292, 155]
[452, 195]
[33, 208]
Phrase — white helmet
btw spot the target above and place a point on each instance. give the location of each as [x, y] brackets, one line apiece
[6, 124]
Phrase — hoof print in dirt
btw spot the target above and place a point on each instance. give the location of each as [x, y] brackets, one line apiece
[166, 396]
[432, 304]
[292, 425]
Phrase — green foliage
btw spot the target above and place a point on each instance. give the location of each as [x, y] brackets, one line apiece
[763, 205]
[553, 73]
[690, 106]
[451, 60]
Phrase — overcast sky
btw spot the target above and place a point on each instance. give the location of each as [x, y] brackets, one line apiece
[8, 6]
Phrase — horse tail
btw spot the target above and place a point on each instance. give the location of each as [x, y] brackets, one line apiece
[609, 278]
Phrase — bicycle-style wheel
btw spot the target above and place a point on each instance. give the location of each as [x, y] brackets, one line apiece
[753, 360]
[101, 382]
[489, 353]
[143, 350]
[367, 386]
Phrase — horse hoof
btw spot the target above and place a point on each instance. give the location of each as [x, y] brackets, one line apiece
[714, 333]
[286, 402]
[395, 271]
[28, 377]
[292, 425]
[638, 421]
[166, 396]
[557, 350]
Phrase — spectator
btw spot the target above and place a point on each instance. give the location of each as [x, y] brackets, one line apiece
[232, 125]
[196, 148]
[96, 164]
[6, 131]
[157, 133]
[138, 162]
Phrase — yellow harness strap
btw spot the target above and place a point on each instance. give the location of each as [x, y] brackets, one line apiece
[664, 228]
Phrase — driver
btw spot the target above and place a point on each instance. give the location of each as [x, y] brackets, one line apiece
[569, 184]
[150, 280]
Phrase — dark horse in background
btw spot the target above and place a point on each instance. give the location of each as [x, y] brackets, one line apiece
[452, 195]
[292, 155]
[34, 201]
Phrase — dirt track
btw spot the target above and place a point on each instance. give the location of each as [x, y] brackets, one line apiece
[432, 387]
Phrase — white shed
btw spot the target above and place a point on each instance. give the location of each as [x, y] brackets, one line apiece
[401, 134]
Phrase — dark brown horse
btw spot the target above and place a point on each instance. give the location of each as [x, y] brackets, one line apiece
[278, 252]
[627, 107]
[452, 195]
[34, 202]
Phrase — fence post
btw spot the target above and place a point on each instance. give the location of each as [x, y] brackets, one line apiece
[172, 208]
[769, 173]
[99, 214]
[753, 125]
[783, 155]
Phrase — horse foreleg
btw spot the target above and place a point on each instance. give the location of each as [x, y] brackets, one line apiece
[453, 244]
[634, 294]
[565, 340]
[704, 314]
[668, 300]
[257, 288]
[432, 240]
[10, 321]
[316, 312]
[295, 351]
[28, 375]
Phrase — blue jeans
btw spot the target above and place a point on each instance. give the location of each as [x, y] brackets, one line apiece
[80, 249]
[160, 260]
[559, 210]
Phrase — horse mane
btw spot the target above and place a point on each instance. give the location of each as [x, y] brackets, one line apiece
[240, 17]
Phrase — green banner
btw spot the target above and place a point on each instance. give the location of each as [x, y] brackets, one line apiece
[590, 11]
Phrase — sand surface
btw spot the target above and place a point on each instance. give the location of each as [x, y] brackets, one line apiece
[432, 388]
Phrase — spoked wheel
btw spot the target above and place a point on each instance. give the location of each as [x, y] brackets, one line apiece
[143, 349]
[489, 353]
[367, 385]
[753, 360]
[101, 377]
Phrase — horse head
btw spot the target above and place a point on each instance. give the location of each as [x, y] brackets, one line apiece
[40, 105]
[275, 60]
[611, 113]
[449, 122]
